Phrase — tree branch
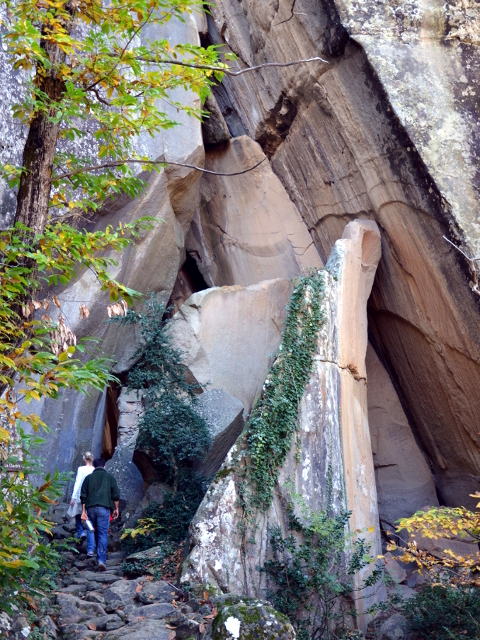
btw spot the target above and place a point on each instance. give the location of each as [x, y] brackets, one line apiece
[229, 72]
[110, 165]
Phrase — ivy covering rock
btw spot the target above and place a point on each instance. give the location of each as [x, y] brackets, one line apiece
[173, 436]
[274, 418]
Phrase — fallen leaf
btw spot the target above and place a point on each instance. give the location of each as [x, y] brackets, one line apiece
[210, 617]
[201, 627]
[172, 635]
[92, 626]
[214, 611]
[169, 626]
[56, 301]
[205, 595]
[174, 604]
[139, 588]
[150, 597]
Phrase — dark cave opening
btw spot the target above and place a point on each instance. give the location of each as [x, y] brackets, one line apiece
[189, 280]
[110, 431]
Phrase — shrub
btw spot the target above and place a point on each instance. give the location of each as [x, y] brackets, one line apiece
[165, 526]
[170, 429]
[314, 570]
[445, 613]
[174, 435]
[26, 557]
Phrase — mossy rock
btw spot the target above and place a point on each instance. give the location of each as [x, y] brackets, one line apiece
[249, 619]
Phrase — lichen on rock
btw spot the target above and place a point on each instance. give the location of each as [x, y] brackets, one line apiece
[249, 619]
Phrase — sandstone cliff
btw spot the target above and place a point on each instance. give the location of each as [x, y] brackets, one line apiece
[385, 131]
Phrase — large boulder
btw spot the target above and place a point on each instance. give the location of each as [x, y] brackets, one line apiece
[247, 618]
[331, 452]
[228, 335]
[129, 478]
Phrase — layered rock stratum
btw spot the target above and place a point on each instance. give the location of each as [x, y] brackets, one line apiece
[387, 130]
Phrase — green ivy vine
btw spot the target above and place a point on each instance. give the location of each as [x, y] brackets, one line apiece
[274, 418]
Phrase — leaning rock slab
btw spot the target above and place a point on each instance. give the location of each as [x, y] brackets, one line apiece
[127, 474]
[333, 438]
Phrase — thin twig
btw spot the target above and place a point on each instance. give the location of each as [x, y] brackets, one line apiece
[107, 165]
[471, 264]
[227, 71]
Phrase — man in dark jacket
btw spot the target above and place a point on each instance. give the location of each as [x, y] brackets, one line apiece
[99, 496]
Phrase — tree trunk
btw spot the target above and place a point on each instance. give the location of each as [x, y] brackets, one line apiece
[39, 150]
[36, 180]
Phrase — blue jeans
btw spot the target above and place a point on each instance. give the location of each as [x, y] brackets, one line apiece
[81, 532]
[100, 518]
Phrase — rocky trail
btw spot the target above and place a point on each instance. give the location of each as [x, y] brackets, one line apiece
[88, 603]
[91, 604]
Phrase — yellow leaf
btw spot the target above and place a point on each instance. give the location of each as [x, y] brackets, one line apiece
[371, 529]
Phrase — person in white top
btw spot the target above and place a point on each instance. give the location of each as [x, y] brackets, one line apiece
[75, 509]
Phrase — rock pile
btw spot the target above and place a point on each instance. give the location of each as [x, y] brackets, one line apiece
[89, 604]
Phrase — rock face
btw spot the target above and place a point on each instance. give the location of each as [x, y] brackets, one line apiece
[228, 335]
[403, 477]
[247, 229]
[387, 131]
[171, 199]
[333, 440]
[224, 415]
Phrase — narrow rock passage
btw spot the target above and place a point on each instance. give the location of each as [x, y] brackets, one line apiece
[92, 604]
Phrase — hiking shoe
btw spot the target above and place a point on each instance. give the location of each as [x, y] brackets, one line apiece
[90, 554]
[102, 566]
